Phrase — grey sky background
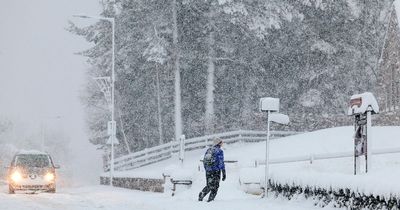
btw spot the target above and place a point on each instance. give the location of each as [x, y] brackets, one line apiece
[39, 74]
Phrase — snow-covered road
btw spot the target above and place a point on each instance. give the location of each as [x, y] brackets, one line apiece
[108, 198]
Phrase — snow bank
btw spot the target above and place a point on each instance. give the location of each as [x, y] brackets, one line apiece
[176, 172]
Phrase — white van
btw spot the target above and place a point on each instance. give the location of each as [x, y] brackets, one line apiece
[32, 171]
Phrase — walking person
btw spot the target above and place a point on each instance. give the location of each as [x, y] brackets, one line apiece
[214, 165]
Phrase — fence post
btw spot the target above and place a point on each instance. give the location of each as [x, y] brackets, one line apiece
[311, 158]
[182, 148]
[145, 155]
[170, 149]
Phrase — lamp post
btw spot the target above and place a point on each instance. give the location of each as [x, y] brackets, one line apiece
[113, 132]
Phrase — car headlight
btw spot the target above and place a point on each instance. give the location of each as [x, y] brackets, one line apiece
[16, 176]
[49, 177]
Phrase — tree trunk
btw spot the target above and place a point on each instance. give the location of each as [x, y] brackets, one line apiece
[209, 115]
[123, 131]
[178, 109]
[160, 132]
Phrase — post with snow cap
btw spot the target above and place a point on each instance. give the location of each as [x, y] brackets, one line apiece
[271, 106]
[362, 106]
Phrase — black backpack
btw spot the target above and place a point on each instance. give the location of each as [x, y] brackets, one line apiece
[209, 158]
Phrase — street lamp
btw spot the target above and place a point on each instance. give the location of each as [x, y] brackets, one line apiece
[113, 124]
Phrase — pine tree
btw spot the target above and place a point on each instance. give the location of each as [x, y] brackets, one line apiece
[223, 56]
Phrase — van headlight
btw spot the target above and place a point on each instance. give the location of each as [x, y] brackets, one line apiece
[49, 177]
[16, 177]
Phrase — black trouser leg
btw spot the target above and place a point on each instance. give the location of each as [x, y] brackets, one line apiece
[212, 178]
[207, 188]
[204, 192]
[214, 184]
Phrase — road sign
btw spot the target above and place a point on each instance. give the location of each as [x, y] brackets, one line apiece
[269, 104]
[116, 141]
[279, 118]
[111, 128]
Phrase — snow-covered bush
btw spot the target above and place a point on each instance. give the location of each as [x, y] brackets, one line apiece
[349, 198]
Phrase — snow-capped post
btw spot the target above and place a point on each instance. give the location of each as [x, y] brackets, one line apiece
[182, 148]
[271, 106]
[362, 106]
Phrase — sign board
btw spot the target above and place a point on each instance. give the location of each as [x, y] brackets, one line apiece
[360, 142]
[356, 102]
[279, 118]
[109, 141]
[269, 104]
[111, 128]
[363, 103]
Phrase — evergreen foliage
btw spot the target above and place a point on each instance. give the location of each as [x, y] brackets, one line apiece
[312, 54]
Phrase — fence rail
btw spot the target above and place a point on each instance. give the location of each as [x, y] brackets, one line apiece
[325, 156]
[165, 151]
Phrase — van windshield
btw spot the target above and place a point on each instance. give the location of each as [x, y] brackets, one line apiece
[32, 160]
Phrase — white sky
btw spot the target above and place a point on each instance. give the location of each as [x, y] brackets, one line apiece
[397, 6]
[39, 75]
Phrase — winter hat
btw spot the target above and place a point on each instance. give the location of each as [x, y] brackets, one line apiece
[217, 141]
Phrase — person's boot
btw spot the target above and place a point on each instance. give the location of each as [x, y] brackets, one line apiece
[201, 196]
[212, 196]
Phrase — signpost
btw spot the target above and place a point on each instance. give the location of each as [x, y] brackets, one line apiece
[111, 127]
[271, 106]
[362, 106]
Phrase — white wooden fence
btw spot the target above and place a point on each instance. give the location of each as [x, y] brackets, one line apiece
[312, 157]
[165, 151]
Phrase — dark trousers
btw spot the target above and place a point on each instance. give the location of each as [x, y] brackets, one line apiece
[213, 178]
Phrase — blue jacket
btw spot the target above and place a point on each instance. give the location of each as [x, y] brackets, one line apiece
[219, 159]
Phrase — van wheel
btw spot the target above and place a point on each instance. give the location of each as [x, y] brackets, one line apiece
[11, 190]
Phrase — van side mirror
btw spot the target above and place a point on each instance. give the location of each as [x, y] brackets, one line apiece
[56, 166]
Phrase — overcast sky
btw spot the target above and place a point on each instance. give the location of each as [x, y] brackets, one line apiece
[39, 74]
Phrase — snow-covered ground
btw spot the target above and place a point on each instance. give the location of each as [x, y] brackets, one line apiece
[336, 173]
[332, 172]
[108, 198]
